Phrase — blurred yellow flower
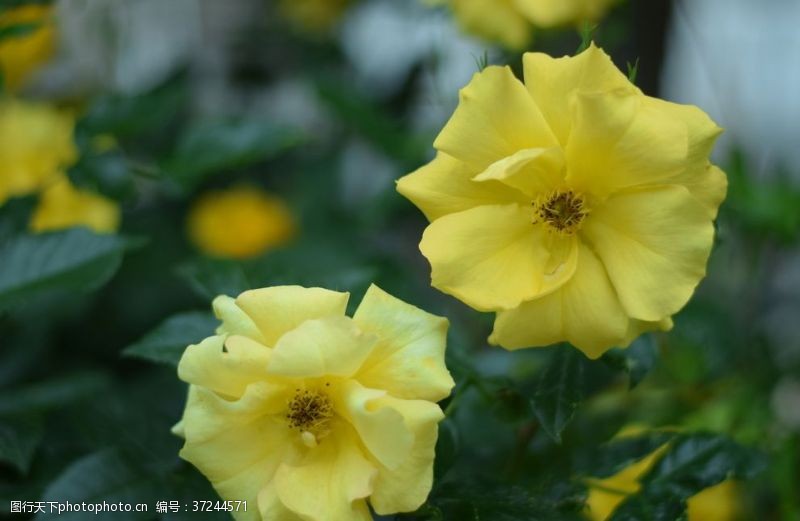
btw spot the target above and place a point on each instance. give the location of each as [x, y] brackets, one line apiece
[313, 15]
[718, 503]
[510, 22]
[573, 205]
[61, 205]
[239, 222]
[36, 148]
[23, 54]
[306, 413]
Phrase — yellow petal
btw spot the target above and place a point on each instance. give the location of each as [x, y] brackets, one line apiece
[494, 20]
[405, 488]
[237, 445]
[655, 243]
[408, 360]
[279, 309]
[234, 320]
[721, 502]
[585, 311]
[495, 118]
[22, 55]
[61, 206]
[331, 482]
[445, 186]
[331, 346]
[270, 507]
[553, 13]
[491, 257]
[553, 81]
[380, 428]
[532, 171]
[709, 186]
[620, 141]
[224, 365]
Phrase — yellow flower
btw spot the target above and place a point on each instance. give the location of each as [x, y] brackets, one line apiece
[239, 222]
[510, 21]
[35, 146]
[61, 205]
[306, 413]
[21, 55]
[575, 206]
[313, 15]
[718, 503]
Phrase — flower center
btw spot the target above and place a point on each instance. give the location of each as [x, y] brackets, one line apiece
[562, 211]
[309, 412]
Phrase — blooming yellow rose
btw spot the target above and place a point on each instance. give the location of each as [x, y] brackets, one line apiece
[306, 413]
[573, 205]
[36, 148]
[21, 55]
[718, 503]
[313, 15]
[510, 22]
[61, 205]
[239, 222]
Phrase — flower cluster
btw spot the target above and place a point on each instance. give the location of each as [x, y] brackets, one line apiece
[572, 205]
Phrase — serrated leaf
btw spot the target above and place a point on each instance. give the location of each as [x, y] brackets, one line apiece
[104, 476]
[51, 393]
[212, 146]
[75, 259]
[559, 391]
[19, 438]
[166, 343]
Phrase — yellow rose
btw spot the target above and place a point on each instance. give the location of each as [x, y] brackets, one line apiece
[61, 205]
[306, 413]
[510, 21]
[35, 146]
[239, 222]
[718, 503]
[21, 55]
[313, 15]
[573, 205]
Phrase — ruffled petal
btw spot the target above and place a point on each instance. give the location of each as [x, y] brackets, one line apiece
[445, 186]
[406, 487]
[533, 171]
[226, 365]
[279, 309]
[553, 81]
[234, 320]
[408, 360]
[331, 481]
[655, 243]
[619, 141]
[332, 346]
[495, 118]
[491, 257]
[585, 311]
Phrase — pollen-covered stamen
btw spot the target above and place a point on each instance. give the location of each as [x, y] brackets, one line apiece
[563, 211]
[310, 411]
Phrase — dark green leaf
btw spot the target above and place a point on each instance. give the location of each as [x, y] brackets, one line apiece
[209, 278]
[15, 216]
[76, 259]
[51, 393]
[213, 146]
[620, 453]
[19, 438]
[652, 505]
[559, 391]
[104, 477]
[106, 173]
[637, 360]
[166, 343]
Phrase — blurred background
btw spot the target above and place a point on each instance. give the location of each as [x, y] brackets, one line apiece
[157, 153]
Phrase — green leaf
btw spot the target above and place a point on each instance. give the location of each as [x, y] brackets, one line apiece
[637, 360]
[15, 216]
[19, 438]
[76, 259]
[618, 454]
[166, 343]
[212, 146]
[652, 505]
[51, 393]
[559, 391]
[210, 278]
[104, 476]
